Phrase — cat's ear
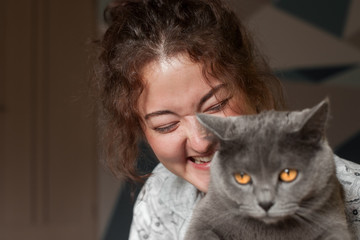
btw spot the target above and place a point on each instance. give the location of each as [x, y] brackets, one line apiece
[221, 127]
[313, 124]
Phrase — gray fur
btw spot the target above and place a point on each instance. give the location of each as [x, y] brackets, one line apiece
[262, 145]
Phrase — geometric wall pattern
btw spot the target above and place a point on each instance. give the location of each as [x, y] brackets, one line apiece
[327, 15]
[338, 22]
[316, 45]
[314, 48]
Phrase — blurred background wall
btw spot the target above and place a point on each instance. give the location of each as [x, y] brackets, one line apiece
[51, 183]
[48, 160]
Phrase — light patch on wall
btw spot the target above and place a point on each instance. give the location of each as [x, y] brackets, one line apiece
[349, 78]
[292, 43]
[353, 20]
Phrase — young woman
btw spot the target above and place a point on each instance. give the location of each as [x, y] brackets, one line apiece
[163, 61]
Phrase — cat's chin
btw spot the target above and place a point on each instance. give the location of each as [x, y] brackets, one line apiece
[275, 219]
[271, 220]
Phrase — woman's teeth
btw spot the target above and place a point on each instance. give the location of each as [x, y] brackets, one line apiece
[199, 160]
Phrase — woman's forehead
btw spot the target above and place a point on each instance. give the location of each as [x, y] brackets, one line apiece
[175, 72]
[176, 80]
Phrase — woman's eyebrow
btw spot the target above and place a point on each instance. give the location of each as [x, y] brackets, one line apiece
[210, 94]
[158, 113]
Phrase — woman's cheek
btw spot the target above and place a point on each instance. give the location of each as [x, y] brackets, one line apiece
[166, 147]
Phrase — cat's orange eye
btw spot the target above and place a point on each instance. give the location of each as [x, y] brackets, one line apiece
[288, 175]
[242, 178]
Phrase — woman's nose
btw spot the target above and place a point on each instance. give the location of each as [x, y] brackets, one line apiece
[197, 140]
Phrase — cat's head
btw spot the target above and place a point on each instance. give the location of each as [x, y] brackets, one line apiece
[271, 165]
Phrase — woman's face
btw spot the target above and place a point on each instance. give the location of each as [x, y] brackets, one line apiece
[175, 90]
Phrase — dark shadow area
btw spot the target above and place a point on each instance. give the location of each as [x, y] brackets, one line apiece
[350, 150]
[119, 226]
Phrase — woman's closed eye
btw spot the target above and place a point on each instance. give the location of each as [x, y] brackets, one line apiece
[217, 107]
[167, 128]
[172, 126]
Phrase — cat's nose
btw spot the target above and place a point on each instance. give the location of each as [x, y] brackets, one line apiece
[266, 205]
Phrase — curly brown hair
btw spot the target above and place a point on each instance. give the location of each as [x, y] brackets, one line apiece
[143, 31]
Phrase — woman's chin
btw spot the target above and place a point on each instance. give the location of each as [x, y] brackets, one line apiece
[198, 174]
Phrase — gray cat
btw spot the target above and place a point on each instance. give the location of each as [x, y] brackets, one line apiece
[273, 177]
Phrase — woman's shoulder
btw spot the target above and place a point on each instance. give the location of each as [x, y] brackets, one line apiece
[348, 174]
[163, 206]
[165, 188]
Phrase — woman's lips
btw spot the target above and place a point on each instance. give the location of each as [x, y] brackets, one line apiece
[201, 160]
[202, 163]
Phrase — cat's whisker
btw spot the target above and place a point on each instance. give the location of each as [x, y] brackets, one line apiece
[311, 218]
[225, 215]
[306, 223]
